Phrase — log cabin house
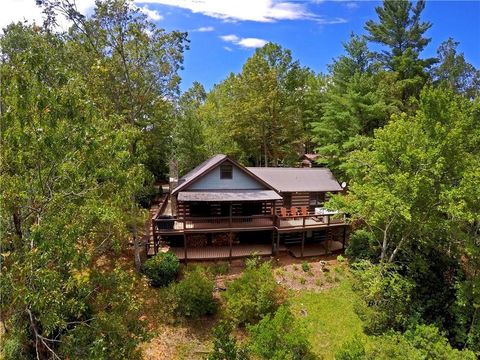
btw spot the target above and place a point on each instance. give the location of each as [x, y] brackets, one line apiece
[223, 210]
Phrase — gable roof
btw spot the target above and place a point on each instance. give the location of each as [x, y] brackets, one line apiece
[298, 179]
[207, 166]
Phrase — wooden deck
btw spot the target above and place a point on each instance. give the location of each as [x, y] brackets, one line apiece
[246, 223]
[310, 250]
[221, 252]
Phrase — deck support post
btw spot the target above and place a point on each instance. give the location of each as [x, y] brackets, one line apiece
[185, 246]
[303, 242]
[230, 241]
[344, 237]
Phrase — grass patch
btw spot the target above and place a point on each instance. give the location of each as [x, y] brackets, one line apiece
[329, 317]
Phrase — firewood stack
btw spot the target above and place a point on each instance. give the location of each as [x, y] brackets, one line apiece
[196, 240]
[220, 239]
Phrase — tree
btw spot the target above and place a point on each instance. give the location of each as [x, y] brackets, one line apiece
[188, 134]
[358, 99]
[66, 177]
[401, 30]
[259, 109]
[415, 190]
[411, 163]
[279, 337]
[131, 68]
[454, 71]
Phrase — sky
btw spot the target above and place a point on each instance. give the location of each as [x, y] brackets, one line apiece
[224, 33]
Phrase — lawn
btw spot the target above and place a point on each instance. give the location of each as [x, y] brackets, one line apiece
[329, 317]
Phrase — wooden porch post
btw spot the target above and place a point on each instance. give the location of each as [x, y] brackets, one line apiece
[303, 242]
[230, 241]
[344, 237]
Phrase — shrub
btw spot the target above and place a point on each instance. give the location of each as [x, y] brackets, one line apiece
[351, 350]
[279, 337]
[220, 268]
[386, 297]
[161, 269]
[434, 345]
[362, 246]
[305, 266]
[340, 259]
[194, 295]
[225, 346]
[252, 295]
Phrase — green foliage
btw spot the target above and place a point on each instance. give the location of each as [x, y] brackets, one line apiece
[279, 337]
[161, 269]
[194, 295]
[358, 100]
[340, 259]
[67, 181]
[362, 246]
[225, 346]
[305, 266]
[188, 140]
[258, 113]
[455, 72]
[351, 350]
[434, 345]
[400, 29]
[386, 297]
[253, 295]
[423, 342]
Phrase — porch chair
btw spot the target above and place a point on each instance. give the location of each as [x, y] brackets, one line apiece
[283, 212]
[293, 211]
[304, 211]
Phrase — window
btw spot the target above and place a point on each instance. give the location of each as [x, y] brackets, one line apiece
[225, 171]
[316, 200]
[287, 199]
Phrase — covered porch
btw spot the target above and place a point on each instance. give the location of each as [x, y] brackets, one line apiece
[221, 252]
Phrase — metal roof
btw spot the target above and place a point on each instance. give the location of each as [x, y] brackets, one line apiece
[298, 179]
[238, 195]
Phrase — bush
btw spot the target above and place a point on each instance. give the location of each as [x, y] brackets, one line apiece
[161, 269]
[362, 246]
[279, 337]
[351, 350]
[225, 346]
[305, 266]
[252, 295]
[194, 295]
[385, 297]
[434, 345]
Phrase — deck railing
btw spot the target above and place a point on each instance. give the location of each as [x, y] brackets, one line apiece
[247, 222]
[308, 221]
[212, 222]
